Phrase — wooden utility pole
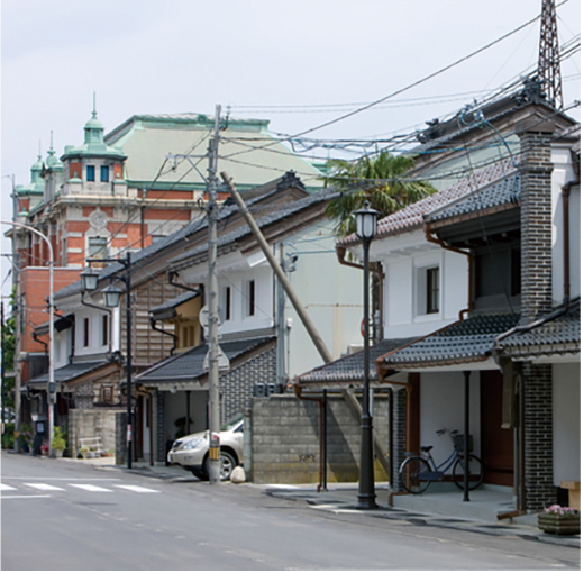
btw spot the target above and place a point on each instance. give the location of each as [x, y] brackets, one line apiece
[213, 370]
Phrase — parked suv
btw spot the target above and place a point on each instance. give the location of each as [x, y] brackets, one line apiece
[191, 452]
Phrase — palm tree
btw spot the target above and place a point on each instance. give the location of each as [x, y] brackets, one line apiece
[386, 190]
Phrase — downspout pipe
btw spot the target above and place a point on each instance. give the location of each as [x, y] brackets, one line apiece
[34, 335]
[154, 326]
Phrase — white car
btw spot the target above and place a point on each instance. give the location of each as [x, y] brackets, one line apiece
[191, 452]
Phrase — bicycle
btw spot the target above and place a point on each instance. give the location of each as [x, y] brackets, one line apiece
[417, 472]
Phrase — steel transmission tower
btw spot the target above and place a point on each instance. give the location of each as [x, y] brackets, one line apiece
[548, 67]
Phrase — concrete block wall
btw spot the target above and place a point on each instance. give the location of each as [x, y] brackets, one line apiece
[285, 439]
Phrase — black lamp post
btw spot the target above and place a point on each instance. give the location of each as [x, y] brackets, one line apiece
[366, 219]
[112, 295]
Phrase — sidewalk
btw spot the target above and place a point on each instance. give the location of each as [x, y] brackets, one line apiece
[445, 509]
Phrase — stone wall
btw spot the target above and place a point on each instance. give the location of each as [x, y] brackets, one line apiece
[284, 434]
[94, 423]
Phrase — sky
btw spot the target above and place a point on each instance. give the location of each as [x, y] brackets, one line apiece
[300, 64]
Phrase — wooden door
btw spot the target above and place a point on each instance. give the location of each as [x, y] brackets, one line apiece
[496, 442]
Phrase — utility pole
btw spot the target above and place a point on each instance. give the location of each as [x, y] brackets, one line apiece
[3, 365]
[280, 300]
[19, 316]
[213, 370]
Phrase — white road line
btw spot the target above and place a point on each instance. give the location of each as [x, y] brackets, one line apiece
[45, 487]
[90, 488]
[5, 488]
[139, 489]
[25, 497]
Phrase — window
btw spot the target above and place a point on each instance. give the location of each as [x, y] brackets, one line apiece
[98, 248]
[432, 290]
[104, 173]
[427, 290]
[106, 394]
[22, 314]
[90, 173]
[155, 238]
[86, 324]
[225, 304]
[105, 330]
[251, 297]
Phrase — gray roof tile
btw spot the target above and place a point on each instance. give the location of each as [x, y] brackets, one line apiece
[465, 341]
[351, 367]
[189, 366]
[501, 193]
[70, 372]
[412, 216]
[562, 334]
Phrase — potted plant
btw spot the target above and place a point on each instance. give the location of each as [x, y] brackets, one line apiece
[26, 438]
[559, 520]
[58, 442]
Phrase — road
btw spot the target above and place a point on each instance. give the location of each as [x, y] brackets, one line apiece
[60, 515]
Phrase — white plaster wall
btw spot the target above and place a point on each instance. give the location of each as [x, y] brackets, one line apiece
[442, 406]
[399, 303]
[454, 285]
[95, 335]
[331, 293]
[401, 315]
[566, 406]
[237, 282]
[564, 172]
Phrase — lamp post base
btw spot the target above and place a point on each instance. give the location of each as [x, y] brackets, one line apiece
[366, 502]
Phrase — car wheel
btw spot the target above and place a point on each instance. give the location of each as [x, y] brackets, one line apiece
[227, 464]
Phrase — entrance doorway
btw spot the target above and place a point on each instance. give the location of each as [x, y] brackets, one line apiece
[497, 442]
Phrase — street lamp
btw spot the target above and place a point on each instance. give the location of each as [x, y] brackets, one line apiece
[366, 220]
[112, 296]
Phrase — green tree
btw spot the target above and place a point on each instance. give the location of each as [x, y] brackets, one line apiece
[386, 188]
[8, 332]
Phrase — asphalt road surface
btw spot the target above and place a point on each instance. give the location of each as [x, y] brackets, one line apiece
[68, 516]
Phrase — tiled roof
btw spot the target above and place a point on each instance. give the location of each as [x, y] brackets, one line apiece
[351, 368]
[411, 216]
[462, 342]
[176, 301]
[283, 211]
[501, 193]
[70, 372]
[559, 335]
[189, 366]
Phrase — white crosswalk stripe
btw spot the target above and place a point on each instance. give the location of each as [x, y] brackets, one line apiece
[45, 487]
[90, 488]
[138, 489]
[87, 487]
